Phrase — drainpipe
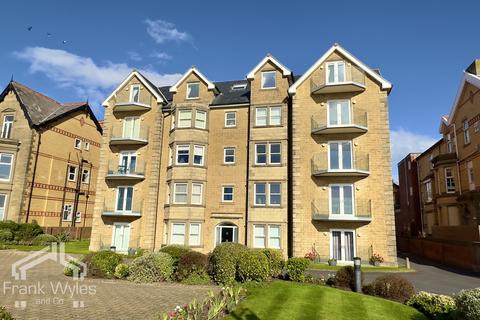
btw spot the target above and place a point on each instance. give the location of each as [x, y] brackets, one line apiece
[247, 177]
[159, 175]
[33, 178]
[458, 161]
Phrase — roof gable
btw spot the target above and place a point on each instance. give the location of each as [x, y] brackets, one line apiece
[385, 85]
[269, 58]
[195, 71]
[152, 88]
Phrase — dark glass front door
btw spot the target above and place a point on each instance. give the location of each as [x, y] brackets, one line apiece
[227, 234]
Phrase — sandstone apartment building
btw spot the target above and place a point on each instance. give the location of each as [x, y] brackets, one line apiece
[449, 182]
[296, 163]
[49, 156]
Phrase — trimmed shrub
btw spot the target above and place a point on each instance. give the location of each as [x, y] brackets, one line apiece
[190, 263]
[253, 266]
[275, 261]
[368, 289]
[121, 271]
[345, 278]
[393, 287]
[6, 235]
[27, 232]
[175, 251]
[10, 225]
[434, 306]
[5, 315]
[106, 262]
[296, 268]
[197, 278]
[468, 304]
[152, 267]
[224, 261]
[44, 240]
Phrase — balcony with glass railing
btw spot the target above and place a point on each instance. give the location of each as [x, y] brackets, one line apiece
[326, 165]
[132, 171]
[362, 212]
[130, 106]
[358, 124]
[351, 79]
[136, 136]
[125, 210]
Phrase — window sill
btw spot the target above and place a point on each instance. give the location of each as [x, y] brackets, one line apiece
[267, 207]
[229, 164]
[269, 89]
[233, 127]
[268, 126]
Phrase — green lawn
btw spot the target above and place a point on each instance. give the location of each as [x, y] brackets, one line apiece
[289, 300]
[75, 247]
[326, 267]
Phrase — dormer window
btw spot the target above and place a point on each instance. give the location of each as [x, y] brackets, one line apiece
[336, 72]
[269, 80]
[135, 93]
[240, 86]
[193, 90]
[7, 126]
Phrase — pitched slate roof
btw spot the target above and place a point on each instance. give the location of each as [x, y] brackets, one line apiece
[40, 109]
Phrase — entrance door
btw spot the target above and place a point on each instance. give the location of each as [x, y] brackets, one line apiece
[342, 246]
[226, 233]
[3, 203]
[121, 236]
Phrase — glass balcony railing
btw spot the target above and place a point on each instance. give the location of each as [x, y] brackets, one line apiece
[362, 211]
[130, 106]
[359, 166]
[135, 210]
[132, 171]
[120, 136]
[358, 125]
[353, 81]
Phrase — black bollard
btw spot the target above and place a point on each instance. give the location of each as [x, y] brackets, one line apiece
[357, 273]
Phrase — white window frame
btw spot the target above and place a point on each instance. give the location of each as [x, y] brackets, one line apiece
[203, 123]
[77, 144]
[270, 122]
[450, 148]
[234, 113]
[224, 193]
[225, 155]
[255, 194]
[270, 144]
[428, 190]
[125, 225]
[202, 154]
[266, 154]
[341, 199]
[342, 231]
[74, 173]
[124, 198]
[7, 126]
[264, 236]
[4, 206]
[132, 87]
[264, 73]
[70, 212]
[184, 232]
[340, 155]
[86, 146]
[175, 184]
[269, 198]
[85, 172]
[339, 112]
[184, 111]
[218, 230]
[188, 91]
[190, 243]
[172, 125]
[185, 147]
[200, 195]
[4, 163]
[335, 70]
[257, 118]
[450, 177]
[466, 132]
[270, 237]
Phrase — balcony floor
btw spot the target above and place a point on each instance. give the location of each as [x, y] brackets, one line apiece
[130, 106]
[347, 86]
[127, 141]
[336, 218]
[355, 129]
[341, 173]
[121, 214]
[122, 176]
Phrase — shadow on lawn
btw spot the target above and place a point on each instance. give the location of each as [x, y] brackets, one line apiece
[245, 314]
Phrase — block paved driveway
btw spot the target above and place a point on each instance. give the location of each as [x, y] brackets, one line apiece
[92, 299]
[429, 277]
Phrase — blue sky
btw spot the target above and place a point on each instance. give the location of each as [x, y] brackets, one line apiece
[422, 47]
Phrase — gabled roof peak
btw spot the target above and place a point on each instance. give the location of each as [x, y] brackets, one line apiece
[285, 71]
[193, 69]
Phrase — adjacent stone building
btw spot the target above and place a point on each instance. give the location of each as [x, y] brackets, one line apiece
[48, 159]
[274, 160]
[408, 220]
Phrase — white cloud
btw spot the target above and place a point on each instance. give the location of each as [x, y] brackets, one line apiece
[161, 55]
[161, 31]
[83, 75]
[135, 56]
[403, 142]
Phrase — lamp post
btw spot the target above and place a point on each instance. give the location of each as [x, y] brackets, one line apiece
[357, 273]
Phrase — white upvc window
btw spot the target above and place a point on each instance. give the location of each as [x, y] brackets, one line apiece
[340, 155]
[260, 153]
[450, 145]
[197, 193]
[335, 72]
[259, 235]
[131, 127]
[7, 126]
[77, 144]
[72, 173]
[227, 193]
[135, 93]
[466, 132]
[229, 155]
[184, 118]
[274, 236]
[85, 175]
[428, 190]
[261, 116]
[275, 193]
[339, 113]
[198, 155]
[183, 154]
[230, 119]
[193, 90]
[341, 199]
[342, 245]
[471, 176]
[200, 119]
[3, 206]
[269, 80]
[178, 234]
[124, 199]
[275, 116]
[6, 162]
[67, 212]
[449, 180]
[86, 146]
[260, 193]
[180, 193]
[275, 156]
[194, 234]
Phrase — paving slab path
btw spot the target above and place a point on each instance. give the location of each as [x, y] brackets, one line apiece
[48, 294]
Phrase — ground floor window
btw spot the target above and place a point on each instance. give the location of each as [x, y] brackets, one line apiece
[342, 245]
[121, 236]
[3, 205]
[226, 232]
[180, 230]
[178, 233]
[266, 236]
